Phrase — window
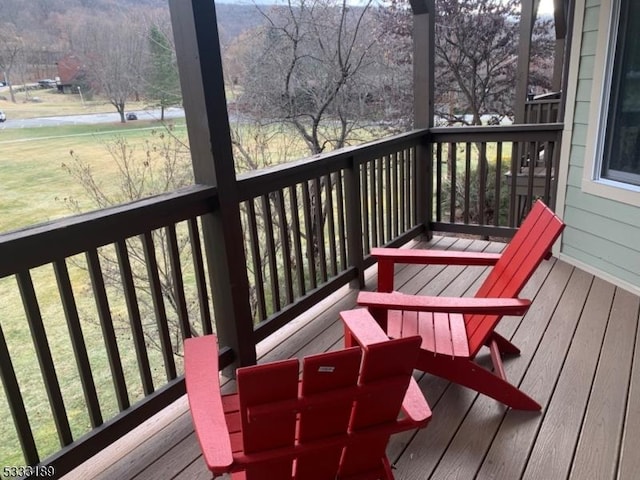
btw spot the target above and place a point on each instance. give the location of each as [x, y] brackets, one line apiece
[621, 152]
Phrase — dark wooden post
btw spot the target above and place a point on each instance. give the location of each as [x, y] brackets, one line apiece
[354, 222]
[527, 18]
[560, 22]
[200, 65]
[423, 92]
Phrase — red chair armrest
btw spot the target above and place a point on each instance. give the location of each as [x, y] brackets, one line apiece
[400, 301]
[205, 401]
[415, 406]
[434, 257]
[362, 327]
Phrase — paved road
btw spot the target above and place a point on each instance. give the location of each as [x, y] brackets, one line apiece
[88, 119]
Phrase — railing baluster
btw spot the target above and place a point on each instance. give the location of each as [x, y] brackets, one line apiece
[553, 172]
[498, 184]
[157, 298]
[77, 342]
[308, 228]
[319, 223]
[389, 211]
[286, 246]
[401, 192]
[453, 148]
[467, 184]
[548, 170]
[340, 203]
[254, 241]
[16, 404]
[515, 171]
[439, 206]
[393, 214]
[271, 253]
[373, 204]
[126, 275]
[533, 157]
[108, 332]
[200, 276]
[178, 282]
[333, 261]
[379, 162]
[482, 193]
[364, 202]
[297, 240]
[45, 360]
[414, 185]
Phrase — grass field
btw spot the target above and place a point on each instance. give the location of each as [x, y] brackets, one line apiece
[34, 182]
[33, 186]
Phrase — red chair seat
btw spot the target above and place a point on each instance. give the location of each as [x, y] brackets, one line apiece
[441, 333]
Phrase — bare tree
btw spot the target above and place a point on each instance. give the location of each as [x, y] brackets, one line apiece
[113, 53]
[476, 51]
[11, 48]
[476, 58]
[313, 66]
[161, 165]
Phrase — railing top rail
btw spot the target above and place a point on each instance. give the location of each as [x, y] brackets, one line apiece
[260, 182]
[497, 133]
[46, 242]
[542, 101]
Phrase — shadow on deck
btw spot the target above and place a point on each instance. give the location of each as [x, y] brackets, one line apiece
[578, 344]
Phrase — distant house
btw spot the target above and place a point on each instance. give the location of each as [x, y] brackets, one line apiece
[71, 75]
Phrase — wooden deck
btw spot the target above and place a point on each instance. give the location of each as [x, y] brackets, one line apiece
[578, 344]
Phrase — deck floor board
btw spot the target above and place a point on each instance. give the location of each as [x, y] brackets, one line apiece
[580, 359]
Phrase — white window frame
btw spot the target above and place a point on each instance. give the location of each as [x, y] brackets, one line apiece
[592, 181]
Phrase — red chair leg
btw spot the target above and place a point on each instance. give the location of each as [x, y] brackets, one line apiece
[469, 374]
[504, 345]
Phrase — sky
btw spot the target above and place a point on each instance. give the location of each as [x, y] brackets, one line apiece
[546, 6]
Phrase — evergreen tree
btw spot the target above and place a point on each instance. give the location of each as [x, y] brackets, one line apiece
[162, 79]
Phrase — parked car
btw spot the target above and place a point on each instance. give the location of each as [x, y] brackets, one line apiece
[3, 117]
[47, 83]
[132, 116]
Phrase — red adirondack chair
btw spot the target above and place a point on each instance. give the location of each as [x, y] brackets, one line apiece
[453, 330]
[333, 424]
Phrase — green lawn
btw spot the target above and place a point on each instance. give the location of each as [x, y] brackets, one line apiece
[34, 182]
[33, 185]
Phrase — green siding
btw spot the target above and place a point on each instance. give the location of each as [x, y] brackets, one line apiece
[577, 156]
[591, 19]
[584, 91]
[581, 114]
[586, 67]
[600, 232]
[575, 178]
[580, 134]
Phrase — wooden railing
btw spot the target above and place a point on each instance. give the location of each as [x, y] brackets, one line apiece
[486, 178]
[542, 111]
[107, 297]
[312, 223]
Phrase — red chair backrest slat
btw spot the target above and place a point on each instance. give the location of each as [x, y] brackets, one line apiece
[521, 257]
[278, 411]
